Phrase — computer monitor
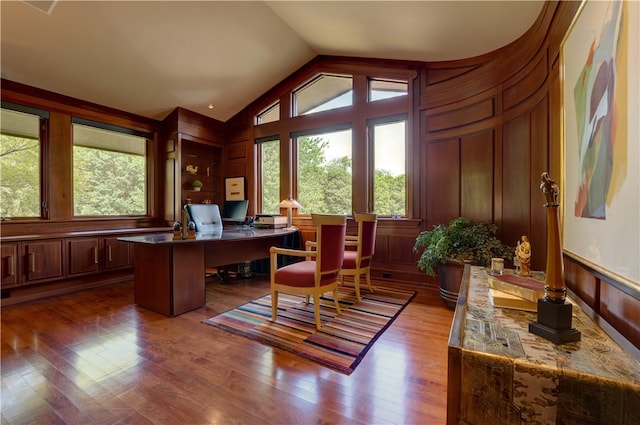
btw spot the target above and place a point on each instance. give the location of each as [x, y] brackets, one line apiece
[235, 211]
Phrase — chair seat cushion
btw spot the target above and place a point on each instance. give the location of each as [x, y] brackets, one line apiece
[301, 275]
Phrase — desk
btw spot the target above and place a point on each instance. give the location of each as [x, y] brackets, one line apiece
[169, 275]
[499, 373]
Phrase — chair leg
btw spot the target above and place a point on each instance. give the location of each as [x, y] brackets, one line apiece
[316, 310]
[356, 283]
[335, 300]
[274, 305]
[308, 297]
[368, 277]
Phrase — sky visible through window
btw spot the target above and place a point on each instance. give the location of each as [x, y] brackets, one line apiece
[340, 142]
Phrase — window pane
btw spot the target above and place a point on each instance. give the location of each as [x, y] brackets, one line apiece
[270, 114]
[389, 194]
[109, 173]
[322, 94]
[270, 155]
[382, 89]
[19, 164]
[324, 173]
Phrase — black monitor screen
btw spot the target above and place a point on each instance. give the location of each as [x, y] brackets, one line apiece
[235, 211]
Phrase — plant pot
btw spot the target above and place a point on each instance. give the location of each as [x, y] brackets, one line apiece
[196, 188]
[450, 277]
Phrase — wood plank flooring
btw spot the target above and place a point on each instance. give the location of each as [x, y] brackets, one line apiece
[93, 357]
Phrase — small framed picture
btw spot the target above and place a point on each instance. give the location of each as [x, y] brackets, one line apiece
[234, 188]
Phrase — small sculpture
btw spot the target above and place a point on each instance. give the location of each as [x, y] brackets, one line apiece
[191, 230]
[550, 190]
[523, 252]
[177, 230]
[191, 169]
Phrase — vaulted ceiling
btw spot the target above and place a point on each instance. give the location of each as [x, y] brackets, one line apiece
[147, 57]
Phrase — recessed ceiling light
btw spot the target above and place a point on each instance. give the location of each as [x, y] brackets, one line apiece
[210, 106]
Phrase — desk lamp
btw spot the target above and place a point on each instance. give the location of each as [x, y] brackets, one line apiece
[289, 204]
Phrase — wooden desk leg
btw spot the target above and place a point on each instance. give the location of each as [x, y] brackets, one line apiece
[169, 278]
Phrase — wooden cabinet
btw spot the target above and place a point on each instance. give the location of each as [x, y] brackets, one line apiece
[10, 265]
[44, 260]
[117, 253]
[84, 255]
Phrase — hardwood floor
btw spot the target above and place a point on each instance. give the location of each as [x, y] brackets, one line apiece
[93, 357]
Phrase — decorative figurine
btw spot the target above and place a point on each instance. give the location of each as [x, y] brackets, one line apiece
[191, 169]
[523, 253]
[191, 233]
[177, 230]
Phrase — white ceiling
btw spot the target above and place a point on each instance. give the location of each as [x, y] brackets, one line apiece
[148, 57]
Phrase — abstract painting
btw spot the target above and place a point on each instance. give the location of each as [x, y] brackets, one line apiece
[601, 156]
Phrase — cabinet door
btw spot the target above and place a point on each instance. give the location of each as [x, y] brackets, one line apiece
[84, 256]
[9, 267]
[44, 260]
[117, 253]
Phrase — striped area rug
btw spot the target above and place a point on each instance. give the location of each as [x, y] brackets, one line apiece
[343, 340]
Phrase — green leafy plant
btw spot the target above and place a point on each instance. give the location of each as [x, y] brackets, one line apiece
[463, 241]
[196, 183]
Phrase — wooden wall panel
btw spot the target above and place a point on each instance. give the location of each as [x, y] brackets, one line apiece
[622, 311]
[539, 163]
[443, 181]
[462, 116]
[516, 181]
[60, 169]
[583, 284]
[400, 251]
[476, 186]
[526, 87]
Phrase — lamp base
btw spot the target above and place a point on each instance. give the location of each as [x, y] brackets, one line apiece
[554, 323]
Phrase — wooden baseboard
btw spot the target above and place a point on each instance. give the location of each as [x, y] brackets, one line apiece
[18, 295]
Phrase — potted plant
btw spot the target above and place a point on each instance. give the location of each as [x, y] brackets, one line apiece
[196, 185]
[445, 249]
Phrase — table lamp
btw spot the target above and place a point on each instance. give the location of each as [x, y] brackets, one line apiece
[289, 204]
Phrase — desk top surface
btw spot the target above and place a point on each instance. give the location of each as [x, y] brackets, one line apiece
[502, 332]
[228, 234]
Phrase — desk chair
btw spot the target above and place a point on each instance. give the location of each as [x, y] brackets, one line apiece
[318, 273]
[208, 221]
[358, 262]
[206, 218]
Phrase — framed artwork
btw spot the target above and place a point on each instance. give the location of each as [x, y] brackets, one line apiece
[234, 189]
[601, 139]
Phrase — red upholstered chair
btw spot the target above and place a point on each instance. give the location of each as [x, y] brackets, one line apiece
[319, 272]
[357, 261]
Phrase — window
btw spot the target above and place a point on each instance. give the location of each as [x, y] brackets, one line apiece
[20, 161]
[323, 93]
[269, 163]
[385, 89]
[352, 158]
[389, 167]
[324, 172]
[269, 114]
[109, 170]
